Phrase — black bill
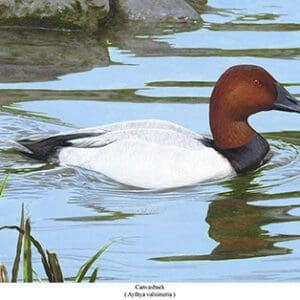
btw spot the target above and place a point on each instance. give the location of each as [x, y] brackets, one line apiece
[285, 101]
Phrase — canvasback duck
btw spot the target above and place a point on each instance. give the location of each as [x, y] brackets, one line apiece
[157, 154]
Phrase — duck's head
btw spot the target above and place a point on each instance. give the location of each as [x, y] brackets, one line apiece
[240, 92]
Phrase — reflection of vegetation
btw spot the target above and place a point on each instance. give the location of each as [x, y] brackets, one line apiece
[233, 26]
[236, 225]
[292, 137]
[182, 84]
[198, 5]
[31, 169]
[9, 97]
[37, 55]
[34, 116]
[257, 17]
[128, 95]
[101, 213]
[208, 52]
[114, 215]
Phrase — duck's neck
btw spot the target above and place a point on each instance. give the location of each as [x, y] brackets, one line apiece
[249, 156]
[230, 134]
[239, 143]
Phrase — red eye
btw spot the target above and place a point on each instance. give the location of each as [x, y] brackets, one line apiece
[256, 82]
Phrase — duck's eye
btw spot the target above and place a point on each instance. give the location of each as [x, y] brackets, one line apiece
[256, 82]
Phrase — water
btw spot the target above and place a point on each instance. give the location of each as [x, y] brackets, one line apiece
[240, 229]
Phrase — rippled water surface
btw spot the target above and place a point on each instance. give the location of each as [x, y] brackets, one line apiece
[240, 229]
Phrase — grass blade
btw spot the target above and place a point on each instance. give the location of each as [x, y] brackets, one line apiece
[3, 274]
[50, 262]
[38, 247]
[15, 269]
[85, 267]
[27, 262]
[55, 267]
[37, 277]
[3, 185]
[94, 276]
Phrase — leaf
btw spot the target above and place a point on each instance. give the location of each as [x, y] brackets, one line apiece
[55, 267]
[15, 269]
[85, 267]
[37, 276]
[50, 262]
[94, 276]
[3, 274]
[39, 248]
[27, 262]
[3, 185]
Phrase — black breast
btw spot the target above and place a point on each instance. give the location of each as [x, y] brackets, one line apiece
[247, 157]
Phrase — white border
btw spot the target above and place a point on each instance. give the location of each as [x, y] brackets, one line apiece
[181, 291]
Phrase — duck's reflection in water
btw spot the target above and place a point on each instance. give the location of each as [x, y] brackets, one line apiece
[236, 224]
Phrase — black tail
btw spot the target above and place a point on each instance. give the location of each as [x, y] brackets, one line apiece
[45, 148]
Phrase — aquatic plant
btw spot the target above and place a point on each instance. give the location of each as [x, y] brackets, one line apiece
[49, 260]
[3, 185]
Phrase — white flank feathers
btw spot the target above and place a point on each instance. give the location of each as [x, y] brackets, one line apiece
[151, 154]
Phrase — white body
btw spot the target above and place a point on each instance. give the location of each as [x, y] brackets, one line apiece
[150, 154]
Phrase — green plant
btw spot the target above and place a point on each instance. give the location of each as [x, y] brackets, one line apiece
[3, 185]
[3, 274]
[49, 260]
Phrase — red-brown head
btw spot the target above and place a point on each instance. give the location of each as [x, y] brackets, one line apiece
[240, 92]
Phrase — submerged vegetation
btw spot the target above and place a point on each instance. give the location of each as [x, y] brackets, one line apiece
[49, 260]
